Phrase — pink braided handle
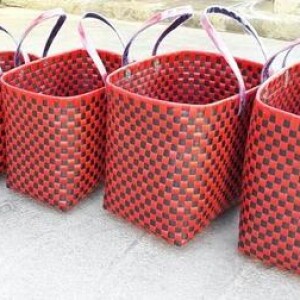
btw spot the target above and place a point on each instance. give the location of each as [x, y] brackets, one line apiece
[222, 47]
[181, 14]
[25, 55]
[88, 44]
[55, 13]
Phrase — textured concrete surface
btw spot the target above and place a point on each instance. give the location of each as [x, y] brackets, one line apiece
[90, 254]
[274, 19]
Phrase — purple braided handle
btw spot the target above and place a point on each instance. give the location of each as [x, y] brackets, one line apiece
[179, 21]
[222, 47]
[180, 14]
[266, 69]
[55, 13]
[26, 58]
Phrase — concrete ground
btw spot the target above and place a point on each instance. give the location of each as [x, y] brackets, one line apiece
[90, 254]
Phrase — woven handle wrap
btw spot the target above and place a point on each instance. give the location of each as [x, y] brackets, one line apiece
[180, 14]
[26, 58]
[56, 13]
[88, 45]
[221, 46]
[266, 69]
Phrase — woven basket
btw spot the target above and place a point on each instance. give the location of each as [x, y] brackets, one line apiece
[6, 64]
[56, 122]
[269, 225]
[10, 59]
[175, 141]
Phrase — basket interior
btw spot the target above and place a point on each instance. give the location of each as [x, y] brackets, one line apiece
[68, 74]
[186, 77]
[283, 92]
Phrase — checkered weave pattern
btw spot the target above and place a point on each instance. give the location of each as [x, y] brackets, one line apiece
[175, 142]
[270, 217]
[6, 64]
[56, 124]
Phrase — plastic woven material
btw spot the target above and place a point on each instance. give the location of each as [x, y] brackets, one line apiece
[175, 142]
[56, 123]
[6, 64]
[269, 226]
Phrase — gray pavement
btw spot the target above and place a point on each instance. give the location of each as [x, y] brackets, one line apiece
[90, 254]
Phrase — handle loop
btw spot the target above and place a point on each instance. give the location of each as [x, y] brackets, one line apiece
[266, 69]
[180, 14]
[88, 45]
[221, 46]
[55, 13]
[284, 62]
[26, 58]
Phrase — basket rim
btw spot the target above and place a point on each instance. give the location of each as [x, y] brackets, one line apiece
[12, 52]
[265, 85]
[121, 90]
[41, 60]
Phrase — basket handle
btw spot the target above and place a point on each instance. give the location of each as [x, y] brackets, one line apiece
[180, 14]
[55, 13]
[88, 45]
[266, 69]
[25, 55]
[284, 62]
[221, 46]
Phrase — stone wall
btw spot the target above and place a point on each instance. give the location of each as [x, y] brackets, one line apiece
[272, 18]
[71, 6]
[79, 6]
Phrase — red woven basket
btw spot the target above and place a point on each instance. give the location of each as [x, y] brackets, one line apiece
[175, 140]
[11, 59]
[56, 125]
[6, 63]
[270, 217]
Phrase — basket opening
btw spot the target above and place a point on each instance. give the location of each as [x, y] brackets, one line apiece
[283, 91]
[187, 77]
[68, 74]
